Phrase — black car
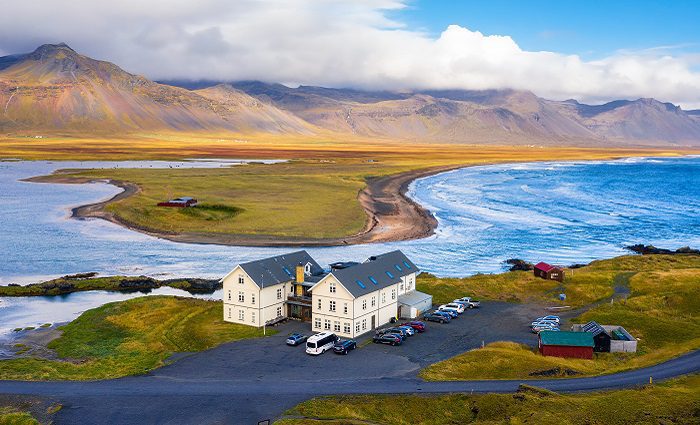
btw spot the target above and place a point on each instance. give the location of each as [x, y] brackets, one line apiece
[394, 331]
[435, 317]
[391, 339]
[342, 347]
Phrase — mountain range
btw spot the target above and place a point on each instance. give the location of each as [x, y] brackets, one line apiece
[55, 89]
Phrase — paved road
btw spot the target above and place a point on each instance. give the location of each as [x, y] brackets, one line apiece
[247, 381]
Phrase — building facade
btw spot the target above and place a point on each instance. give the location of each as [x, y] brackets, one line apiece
[258, 292]
[349, 300]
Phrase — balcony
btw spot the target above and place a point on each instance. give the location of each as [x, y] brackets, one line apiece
[304, 300]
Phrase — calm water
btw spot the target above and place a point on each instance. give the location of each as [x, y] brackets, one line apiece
[558, 212]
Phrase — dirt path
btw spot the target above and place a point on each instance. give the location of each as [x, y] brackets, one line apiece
[391, 214]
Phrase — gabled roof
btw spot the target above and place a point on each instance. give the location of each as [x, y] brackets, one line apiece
[567, 338]
[545, 267]
[594, 328]
[376, 273]
[274, 270]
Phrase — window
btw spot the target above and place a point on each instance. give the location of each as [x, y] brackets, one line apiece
[252, 298]
[383, 297]
[241, 280]
[319, 303]
[241, 297]
[331, 305]
[373, 280]
[346, 327]
[357, 327]
[279, 294]
[374, 301]
[252, 317]
[331, 287]
[410, 284]
[408, 266]
[393, 294]
[307, 269]
[279, 311]
[360, 284]
[327, 324]
[364, 304]
[241, 315]
[229, 295]
[336, 326]
[388, 273]
[401, 286]
[345, 308]
[229, 312]
[317, 323]
[397, 267]
[364, 324]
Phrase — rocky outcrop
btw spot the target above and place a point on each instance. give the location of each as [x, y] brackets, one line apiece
[519, 265]
[651, 249]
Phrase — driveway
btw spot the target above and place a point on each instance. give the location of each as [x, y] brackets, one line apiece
[247, 381]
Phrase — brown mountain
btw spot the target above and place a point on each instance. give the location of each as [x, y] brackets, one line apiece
[56, 88]
[488, 116]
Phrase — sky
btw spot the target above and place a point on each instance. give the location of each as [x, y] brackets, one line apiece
[592, 51]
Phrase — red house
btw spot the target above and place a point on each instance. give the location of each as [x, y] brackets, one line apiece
[549, 272]
[183, 202]
[566, 344]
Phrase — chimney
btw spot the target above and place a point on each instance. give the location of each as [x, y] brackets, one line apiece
[300, 273]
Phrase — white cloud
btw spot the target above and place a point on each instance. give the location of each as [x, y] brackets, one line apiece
[336, 43]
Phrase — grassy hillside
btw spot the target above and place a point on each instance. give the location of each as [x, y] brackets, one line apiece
[674, 402]
[130, 337]
[662, 311]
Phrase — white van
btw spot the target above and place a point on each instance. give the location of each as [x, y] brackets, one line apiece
[320, 343]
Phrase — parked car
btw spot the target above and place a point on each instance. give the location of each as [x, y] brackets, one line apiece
[395, 330]
[296, 339]
[343, 347]
[458, 307]
[417, 325]
[539, 328]
[391, 339]
[437, 317]
[471, 303]
[444, 313]
[409, 330]
[551, 318]
[544, 322]
[452, 313]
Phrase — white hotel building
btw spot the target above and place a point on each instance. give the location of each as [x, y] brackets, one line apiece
[349, 300]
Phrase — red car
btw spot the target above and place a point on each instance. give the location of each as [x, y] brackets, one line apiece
[416, 324]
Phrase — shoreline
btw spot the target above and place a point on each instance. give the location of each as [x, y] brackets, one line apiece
[392, 216]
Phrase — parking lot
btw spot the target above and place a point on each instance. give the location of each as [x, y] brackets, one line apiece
[271, 358]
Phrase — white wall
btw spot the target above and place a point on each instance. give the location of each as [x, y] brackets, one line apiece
[258, 306]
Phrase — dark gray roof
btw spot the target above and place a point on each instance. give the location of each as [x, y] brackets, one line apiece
[274, 270]
[375, 273]
[594, 328]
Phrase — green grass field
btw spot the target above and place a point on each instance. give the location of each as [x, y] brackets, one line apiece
[673, 402]
[128, 338]
[662, 312]
[11, 416]
[314, 196]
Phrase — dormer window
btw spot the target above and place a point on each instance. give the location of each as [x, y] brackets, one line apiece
[307, 269]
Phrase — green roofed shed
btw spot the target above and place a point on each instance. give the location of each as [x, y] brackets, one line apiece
[567, 344]
[571, 339]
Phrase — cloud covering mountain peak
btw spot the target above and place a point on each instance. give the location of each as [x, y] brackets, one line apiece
[335, 43]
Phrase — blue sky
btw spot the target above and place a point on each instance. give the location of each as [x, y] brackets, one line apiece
[592, 29]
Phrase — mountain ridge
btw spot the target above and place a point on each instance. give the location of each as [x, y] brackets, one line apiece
[54, 88]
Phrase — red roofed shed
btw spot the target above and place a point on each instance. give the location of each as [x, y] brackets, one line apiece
[549, 272]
